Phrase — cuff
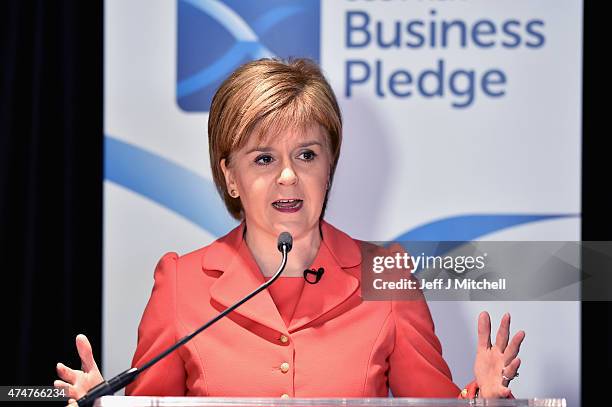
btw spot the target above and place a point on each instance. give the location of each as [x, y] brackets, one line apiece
[471, 391]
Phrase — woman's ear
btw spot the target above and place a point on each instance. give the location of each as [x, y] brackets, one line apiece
[230, 182]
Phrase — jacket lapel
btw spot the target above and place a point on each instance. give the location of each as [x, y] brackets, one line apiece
[336, 253]
[240, 276]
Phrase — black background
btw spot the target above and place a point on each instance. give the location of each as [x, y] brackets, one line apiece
[51, 169]
[50, 184]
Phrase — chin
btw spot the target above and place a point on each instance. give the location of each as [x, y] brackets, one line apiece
[297, 227]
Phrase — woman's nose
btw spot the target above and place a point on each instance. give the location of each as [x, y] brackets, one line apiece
[287, 176]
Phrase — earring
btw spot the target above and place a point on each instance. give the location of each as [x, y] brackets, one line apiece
[234, 193]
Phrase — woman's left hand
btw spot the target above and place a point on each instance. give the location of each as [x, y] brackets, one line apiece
[493, 362]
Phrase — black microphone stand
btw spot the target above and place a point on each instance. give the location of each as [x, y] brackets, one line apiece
[124, 378]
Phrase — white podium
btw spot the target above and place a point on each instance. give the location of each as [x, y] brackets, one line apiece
[125, 401]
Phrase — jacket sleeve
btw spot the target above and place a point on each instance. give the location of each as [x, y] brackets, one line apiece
[416, 366]
[156, 332]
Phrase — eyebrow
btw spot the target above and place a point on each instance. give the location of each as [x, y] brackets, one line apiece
[266, 149]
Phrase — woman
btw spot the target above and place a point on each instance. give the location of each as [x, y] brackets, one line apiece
[274, 140]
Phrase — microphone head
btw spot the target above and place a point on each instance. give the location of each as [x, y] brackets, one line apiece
[285, 239]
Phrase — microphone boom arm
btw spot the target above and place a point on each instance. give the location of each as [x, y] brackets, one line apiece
[126, 377]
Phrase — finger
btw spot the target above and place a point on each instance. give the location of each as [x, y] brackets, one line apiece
[65, 373]
[484, 330]
[510, 371]
[503, 333]
[514, 347]
[69, 390]
[72, 403]
[504, 393]
[85, 353]
[62, 385]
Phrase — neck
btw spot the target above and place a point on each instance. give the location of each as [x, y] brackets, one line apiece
[263, 247]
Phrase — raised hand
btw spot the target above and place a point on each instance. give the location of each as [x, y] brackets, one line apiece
[496, 365]
[78, 382]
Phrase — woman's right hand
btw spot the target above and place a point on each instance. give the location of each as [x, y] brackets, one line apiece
[77, 382]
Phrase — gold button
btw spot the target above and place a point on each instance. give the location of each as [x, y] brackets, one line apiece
[463, 392]
[283, 339]
[284, 367]
[284, 396]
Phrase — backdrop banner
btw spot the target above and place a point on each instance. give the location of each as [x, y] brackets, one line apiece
[461, 122]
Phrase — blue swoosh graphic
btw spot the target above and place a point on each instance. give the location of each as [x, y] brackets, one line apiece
[247, 42]
[195, 198]
[232, 22]
[225, 16]
[470, 227]
[226, 63]
[442, 236]
[168, 184]
[275, 16]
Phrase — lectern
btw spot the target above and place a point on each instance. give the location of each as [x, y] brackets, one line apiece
[125, 401]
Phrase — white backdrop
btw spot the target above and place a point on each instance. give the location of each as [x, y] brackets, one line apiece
[407, 161]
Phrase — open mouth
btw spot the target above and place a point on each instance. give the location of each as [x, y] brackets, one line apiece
[288, 205]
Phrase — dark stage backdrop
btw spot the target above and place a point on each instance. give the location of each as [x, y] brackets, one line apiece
[50, 184]
[596, 200]
[51, 187]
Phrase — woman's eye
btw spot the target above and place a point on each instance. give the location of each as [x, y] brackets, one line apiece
[263, 159]
[308, 155]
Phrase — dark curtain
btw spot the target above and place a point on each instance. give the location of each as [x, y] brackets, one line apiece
[596, 199]
[50, 184]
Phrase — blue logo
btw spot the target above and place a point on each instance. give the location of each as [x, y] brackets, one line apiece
[215, 37]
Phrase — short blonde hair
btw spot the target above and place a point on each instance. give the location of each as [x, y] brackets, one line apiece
[268, 96]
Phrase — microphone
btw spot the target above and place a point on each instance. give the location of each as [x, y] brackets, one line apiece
[285, 239]
[316, 273]
[284, 245]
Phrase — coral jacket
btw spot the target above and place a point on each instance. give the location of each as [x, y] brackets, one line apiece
[336, 345]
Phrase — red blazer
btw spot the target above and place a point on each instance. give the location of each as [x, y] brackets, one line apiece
[337, 345]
